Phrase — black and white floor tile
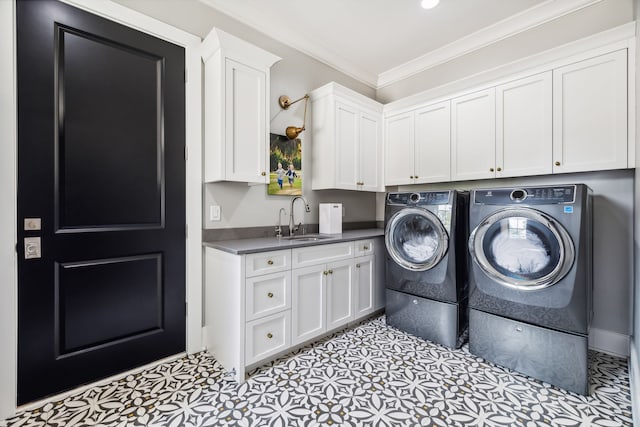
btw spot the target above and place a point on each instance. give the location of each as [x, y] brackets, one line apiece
[369, 375]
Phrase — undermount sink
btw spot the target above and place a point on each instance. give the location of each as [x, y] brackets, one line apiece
[308, 237]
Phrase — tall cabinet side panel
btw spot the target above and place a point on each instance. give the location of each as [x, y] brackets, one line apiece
[224, 316]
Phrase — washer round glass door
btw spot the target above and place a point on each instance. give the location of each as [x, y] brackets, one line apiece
[522, 248]
[416, 239]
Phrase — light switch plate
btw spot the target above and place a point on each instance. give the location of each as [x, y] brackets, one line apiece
[214, 213]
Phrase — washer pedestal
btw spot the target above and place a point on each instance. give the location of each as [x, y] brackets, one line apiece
[558, 358]
[436, 321]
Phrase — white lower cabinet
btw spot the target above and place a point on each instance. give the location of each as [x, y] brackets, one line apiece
[267, 336]
[258, 306]
[364, 286]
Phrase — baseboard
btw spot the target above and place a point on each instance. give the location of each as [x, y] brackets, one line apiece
[609, 342]
[634, 382]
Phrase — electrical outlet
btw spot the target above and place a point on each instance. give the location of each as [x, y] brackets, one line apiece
[214, 213]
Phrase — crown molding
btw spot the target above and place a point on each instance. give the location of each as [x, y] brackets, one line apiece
[243, 13]
[530, 18]
[527, 19]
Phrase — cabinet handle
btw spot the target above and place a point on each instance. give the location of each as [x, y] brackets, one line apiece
[263, 173]
[365, 247]
[557, 163]
[270, 295]
[499, 169]
[490, 169]
[270, 262]
[269, 335]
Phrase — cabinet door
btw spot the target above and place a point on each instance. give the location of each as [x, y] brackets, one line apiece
[433, 143]
[364, 286]
[524, 127]
[339, 297]
[590, 114]
[473, 136]
[398, 147]
[308, 309]
[369, 153]
[347, 119]
[245, 123]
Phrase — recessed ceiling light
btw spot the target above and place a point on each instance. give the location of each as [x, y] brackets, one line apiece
[428, 4]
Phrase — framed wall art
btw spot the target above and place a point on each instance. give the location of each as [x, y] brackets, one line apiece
[285, 166]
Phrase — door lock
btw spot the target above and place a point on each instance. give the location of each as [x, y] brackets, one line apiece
[32, 247]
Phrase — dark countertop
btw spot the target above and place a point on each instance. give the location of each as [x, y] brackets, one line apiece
[264, 244]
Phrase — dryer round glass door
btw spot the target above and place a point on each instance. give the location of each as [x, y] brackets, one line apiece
[522, 248]
[416, 239]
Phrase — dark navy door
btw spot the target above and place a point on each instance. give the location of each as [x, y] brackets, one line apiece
[101, 198]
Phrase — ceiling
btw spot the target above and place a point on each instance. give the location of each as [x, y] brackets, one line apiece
[380, 42]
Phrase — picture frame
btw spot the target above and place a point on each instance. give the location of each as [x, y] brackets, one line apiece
[285, 166]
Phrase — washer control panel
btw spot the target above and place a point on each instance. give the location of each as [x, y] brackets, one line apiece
[419, 198]
[527, 195]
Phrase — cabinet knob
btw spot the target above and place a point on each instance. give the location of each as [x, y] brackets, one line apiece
[270, 262]
[499, 169]
[557, 163]
[416, 177]
[411, 177]
[263, 173]
[330, 271]
[270, 294]
[325, 272]
[269, 335]
[357, 265]
[490, 169]
[365, 247]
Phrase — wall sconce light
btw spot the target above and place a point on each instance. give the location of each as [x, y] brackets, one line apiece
[285, 102]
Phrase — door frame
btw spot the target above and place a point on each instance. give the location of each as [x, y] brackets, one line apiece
[8, 180]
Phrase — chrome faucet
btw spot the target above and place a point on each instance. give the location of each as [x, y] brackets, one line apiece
[292, 224]
[279, 225]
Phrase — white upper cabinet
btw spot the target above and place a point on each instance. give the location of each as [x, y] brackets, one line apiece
[347, 140]
[433, 143]
[473, 136]
[236, 110]
[524, 127]
[399, 152]
[590, 114]
[417, 146]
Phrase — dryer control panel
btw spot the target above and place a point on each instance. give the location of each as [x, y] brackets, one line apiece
[419, 198]
[563, 194]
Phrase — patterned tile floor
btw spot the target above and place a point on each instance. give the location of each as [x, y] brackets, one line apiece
[369, 375]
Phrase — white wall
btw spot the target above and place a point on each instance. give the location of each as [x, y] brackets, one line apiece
[7, 213]
[613, 245]
[634, 360]
[584, 22]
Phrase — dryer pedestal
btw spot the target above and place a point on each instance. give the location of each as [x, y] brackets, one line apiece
[436, 321]
[558, 358]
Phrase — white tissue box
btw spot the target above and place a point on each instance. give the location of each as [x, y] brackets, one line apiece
[330, 218]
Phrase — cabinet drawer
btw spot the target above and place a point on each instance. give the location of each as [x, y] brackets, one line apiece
[267, 294]
[267, 336]
[364, 247]
[313, 255]
[267, 262]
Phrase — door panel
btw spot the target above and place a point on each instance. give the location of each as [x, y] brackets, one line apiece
[101, 136]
